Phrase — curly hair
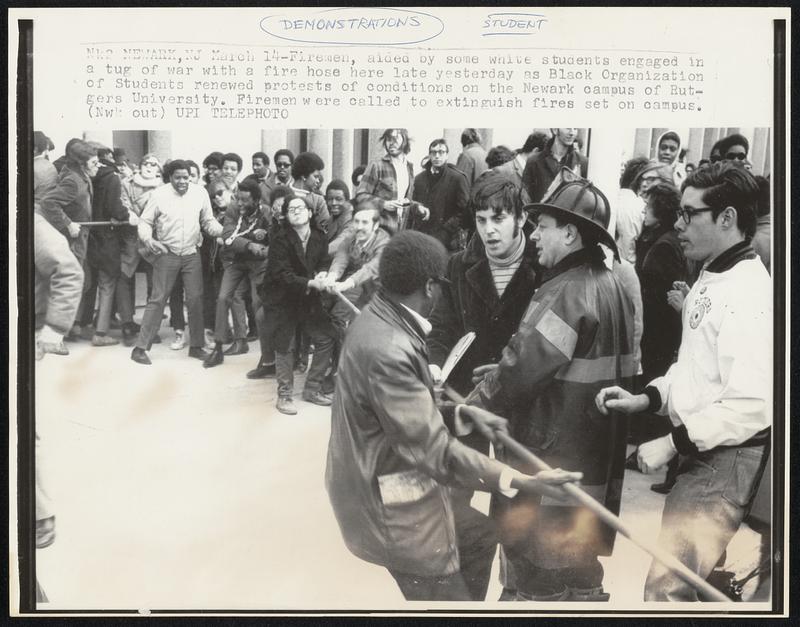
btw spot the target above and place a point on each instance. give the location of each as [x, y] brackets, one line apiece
[664, 200]
[409, 260]
[305, 163]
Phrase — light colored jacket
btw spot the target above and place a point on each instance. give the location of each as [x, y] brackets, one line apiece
[175, 220]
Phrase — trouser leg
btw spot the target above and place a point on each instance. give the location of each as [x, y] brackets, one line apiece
[165, 268]
[321, 332]
[702, 513]
[192, 274]
[122, 296]
[176, 318]
[231, 278]
[442, 588]
[107, 285]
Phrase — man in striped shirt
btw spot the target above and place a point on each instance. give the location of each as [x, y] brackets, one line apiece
[491, 283]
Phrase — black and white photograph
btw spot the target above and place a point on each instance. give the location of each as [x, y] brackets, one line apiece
[509, 368]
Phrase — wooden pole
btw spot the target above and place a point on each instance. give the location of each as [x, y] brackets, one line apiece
[347, 302]
[598, 509]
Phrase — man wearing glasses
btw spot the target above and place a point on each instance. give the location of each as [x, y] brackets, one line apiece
[442, 191]
[718, 393]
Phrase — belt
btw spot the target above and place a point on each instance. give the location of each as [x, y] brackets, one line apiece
[759, 439]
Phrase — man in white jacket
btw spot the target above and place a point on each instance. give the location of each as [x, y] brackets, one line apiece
[718, 393]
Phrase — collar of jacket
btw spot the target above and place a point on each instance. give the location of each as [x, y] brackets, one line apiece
[394, 313]
[479, 275]
[592, 255]
[652, 233]
[732, 256]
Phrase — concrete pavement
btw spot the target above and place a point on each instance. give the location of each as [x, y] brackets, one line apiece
[179, 487]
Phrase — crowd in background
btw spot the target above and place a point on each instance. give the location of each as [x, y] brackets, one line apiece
[281, 257]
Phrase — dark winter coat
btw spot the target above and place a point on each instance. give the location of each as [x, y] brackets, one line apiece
[575, 338]
[542, 168]
[105, 243]
[446, 195]
[390, 454]
[285, 287]
[659, 262]
[471, 303]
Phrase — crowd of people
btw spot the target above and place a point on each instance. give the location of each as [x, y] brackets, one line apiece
[575, 326]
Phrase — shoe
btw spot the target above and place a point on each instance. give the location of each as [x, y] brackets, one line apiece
[318, 398]
[239, 347]
[180, 341]
[262, 371]
[156, 339]
[74, 333]
[329, 384]
[285, 405]
[129, 335]
[198, 353]
[631, 462]
[139, 355]
[215, 358]
[252, 336]
[45, 532]
[132, 325]
[55, 348]
[104, 340]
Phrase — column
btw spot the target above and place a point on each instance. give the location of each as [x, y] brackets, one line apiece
[487, 136]
[374, 147]
[641, 142]
[759, 151]
[273, 140]
[710, 137]
[694, 145]
[604, 157]
[319, 142]
[342, 160]
[160, 143]
[453, 138]
[100, 136]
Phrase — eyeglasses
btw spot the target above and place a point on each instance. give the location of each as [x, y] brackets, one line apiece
[298, 209]
[739, 156]
[686, 214]
[282, 165]
[152, 164]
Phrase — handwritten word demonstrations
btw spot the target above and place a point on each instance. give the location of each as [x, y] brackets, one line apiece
[213, 82]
